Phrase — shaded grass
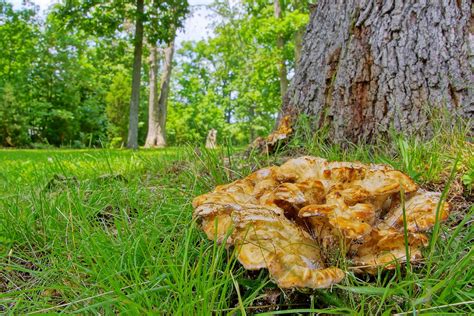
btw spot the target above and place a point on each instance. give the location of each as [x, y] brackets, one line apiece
[111, 231]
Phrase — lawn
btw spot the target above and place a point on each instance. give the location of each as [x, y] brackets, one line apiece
[111, 231]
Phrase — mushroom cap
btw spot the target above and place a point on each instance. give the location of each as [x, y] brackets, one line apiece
[420, 211]
[291, 219]
[268, 240]
[386, 248]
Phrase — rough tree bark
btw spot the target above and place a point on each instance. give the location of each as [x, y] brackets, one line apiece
[368, 66]
[153, 113]
[132, 141]
[157, 116]
[280, 45]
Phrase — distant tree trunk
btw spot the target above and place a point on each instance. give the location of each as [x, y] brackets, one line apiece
[211, 139]
[368, 66]
[251, 120]
[298, 46]
[136, 74]
[280, 45]
[228, 108]
[160, 131]
[153, 113]
[298, 37]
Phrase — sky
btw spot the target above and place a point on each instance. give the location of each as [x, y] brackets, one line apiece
[196, 26]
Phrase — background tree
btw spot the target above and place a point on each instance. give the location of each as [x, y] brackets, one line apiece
[118, 98]
[368, 68]
[234, 76]
[156, 136]
[280, 42]
[153, 114]
[153, 20]
[193, 103]
[19, 31]
[13, 124]
[132, 141]
[158, 112]
[53, 77]
[69, 72]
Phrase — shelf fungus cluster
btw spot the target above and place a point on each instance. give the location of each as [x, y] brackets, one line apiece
[291, 219]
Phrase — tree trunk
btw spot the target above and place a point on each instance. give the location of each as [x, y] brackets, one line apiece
[368, 66]
[280, 45]
[251, 121]
[136, 74]
[160, 133]
[211, 139]
[298, 37]
[153, 113]
[298, 46]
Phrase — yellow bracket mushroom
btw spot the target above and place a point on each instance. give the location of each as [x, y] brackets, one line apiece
[286, 219]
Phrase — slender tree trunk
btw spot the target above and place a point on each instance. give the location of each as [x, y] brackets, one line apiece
[298, 37]
[228, 108]
[136, 74]
[280, 45]
[369, 66]
[251, 125]
[160, 131]
[298, 46]
[153, 113]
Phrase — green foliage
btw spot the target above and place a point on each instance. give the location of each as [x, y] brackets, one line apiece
[111, 18]
[68, 86]
[230, 82]
[13, 125]
[19, 36]
[468, 177]
[58, 77]
[18, 39]
[56, 85]
[118, 100]
[76, 95]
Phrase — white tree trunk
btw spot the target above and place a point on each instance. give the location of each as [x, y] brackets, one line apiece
[157, 120]
[153, 113]
[211, 140]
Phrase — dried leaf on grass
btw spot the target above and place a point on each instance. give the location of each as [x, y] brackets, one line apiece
[278, 136]
[287, 219]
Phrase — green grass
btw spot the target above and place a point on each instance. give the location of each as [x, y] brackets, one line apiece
[111, 231]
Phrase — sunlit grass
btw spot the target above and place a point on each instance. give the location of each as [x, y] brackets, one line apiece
[111, 231]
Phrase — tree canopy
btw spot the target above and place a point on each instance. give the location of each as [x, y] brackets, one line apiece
[66, 76]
